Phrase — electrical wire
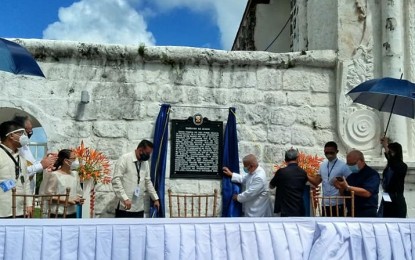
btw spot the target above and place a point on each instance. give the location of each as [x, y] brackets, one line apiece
[283, 28]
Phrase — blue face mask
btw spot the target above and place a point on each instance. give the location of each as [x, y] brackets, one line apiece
[353, 168]
[144, 157]
[246, 169]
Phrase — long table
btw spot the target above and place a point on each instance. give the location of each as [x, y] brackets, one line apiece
[211, 238]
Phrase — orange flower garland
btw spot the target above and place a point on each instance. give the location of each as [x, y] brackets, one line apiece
[309, 163]
[92, 165]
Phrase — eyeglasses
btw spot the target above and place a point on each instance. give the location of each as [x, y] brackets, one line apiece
[19, 131]
[329, 153]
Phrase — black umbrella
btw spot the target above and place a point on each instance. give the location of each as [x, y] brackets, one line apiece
[396, 96]
[16, 59]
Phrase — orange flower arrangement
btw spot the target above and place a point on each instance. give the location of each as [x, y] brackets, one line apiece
[92, 165]
[309, 163]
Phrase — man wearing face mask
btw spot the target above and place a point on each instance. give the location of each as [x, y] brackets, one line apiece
[33, 166]
[255, 198]
[364, 181]
[131, 180]
[12, 174]
[329, 170]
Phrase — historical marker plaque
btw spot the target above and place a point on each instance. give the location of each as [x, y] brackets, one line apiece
[196, 150]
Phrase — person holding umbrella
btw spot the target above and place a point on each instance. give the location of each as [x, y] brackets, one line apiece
[393, 204]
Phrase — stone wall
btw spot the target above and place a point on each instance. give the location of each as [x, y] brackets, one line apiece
[281, 100]
[367, 47]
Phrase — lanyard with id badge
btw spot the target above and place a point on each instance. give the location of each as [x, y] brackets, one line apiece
[7, 185]
[137, 189]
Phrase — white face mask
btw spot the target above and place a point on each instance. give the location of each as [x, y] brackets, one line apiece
[23, 139]
[75, 165]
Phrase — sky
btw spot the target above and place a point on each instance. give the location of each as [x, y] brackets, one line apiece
[196, 23]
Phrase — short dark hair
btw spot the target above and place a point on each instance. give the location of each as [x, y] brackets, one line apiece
[21, 119]
[145, 143]
[331, 144]
[7, 127]
[291, 155]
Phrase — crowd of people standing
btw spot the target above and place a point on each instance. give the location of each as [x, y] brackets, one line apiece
[337, 178]
[131, 179]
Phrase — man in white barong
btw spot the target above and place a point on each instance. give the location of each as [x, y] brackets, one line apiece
[33, 166]
[255, 198]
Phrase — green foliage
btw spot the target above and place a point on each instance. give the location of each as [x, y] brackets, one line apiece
[141, 50]
[165, 59]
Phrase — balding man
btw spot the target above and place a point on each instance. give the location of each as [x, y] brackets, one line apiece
[290, 182]
[364, 181]
[255, 198]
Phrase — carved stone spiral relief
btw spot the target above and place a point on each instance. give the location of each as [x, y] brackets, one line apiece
[363, 129]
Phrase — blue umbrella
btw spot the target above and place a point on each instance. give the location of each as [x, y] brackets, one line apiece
[396, 96]
[16, 59]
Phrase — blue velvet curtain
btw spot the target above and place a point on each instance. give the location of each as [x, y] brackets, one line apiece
[230, 208]
[159, 158]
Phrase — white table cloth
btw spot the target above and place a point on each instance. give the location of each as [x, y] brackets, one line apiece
[212, 238]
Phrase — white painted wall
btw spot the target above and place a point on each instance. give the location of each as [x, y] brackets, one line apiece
[282, 100]
[279, 98]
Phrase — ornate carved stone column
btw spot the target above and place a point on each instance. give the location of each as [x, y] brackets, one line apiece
[393, 62]
[359, 126]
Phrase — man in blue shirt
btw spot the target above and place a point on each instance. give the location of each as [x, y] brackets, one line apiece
[364, 182]
[330, 169]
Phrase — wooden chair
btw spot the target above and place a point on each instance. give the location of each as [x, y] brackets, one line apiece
[41, 204]
[317, 203]
[193, 205]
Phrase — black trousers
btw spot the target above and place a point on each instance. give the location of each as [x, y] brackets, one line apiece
[119, 213]
[73, 215]
[395, 209]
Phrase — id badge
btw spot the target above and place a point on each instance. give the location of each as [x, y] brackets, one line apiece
[137, 191]
[7, 185]
[386, 197]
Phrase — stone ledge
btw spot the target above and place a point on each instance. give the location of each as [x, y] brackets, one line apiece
[51, 50]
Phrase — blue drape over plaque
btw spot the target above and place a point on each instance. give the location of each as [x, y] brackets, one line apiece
[230, 208]
[159, 159]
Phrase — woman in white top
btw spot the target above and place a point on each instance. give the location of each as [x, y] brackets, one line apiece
[63, 176]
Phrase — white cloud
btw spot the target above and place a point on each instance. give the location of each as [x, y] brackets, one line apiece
[100, 21]
[117, 21]
[227, 14]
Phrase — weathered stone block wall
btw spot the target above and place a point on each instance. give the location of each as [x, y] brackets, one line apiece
[281, 100]
[367, 47]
